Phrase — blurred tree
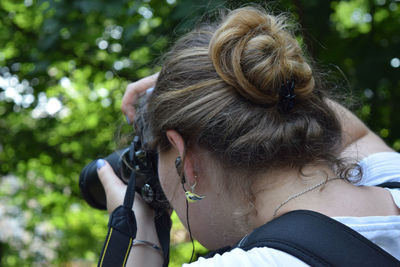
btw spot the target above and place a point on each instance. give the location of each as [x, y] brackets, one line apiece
[63, 69]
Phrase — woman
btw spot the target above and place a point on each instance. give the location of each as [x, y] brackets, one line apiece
[238, 116]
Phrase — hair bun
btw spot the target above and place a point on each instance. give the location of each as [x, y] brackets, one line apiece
[255, 53]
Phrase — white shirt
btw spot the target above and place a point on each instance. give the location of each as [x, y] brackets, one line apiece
[382, 230]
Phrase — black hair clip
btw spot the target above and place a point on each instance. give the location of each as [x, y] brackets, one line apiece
[287, 96]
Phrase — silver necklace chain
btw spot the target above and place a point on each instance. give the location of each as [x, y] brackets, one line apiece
[302, 193]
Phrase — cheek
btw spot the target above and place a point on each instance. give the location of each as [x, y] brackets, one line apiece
[169, 181]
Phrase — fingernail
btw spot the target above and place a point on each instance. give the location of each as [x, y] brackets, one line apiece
[100, 163]
[150, 90]
[127, 119]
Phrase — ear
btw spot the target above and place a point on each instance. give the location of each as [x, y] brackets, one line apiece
[178, 144]
[176, 141]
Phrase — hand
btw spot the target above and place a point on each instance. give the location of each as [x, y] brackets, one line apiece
[115, 192]
[113, 186]
[133, 92]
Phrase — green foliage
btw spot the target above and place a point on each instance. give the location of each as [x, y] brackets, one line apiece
[181, 247]
[351, 17]
[63, 69]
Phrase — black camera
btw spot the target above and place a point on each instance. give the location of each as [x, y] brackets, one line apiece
[132, 162]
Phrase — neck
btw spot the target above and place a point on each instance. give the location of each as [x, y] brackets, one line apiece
[279, 192]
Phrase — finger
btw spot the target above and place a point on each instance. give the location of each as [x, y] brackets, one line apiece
[113, 186]
[107, 176]
[133, 92]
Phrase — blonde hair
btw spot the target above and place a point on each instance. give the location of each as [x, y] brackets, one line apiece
[219, 88]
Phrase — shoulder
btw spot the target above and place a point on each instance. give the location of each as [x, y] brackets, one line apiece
[380, 168]
[255, 257]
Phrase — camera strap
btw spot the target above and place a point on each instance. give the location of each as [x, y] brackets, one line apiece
[121, 231]
[163, 226]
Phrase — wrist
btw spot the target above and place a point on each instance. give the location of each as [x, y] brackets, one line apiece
[146, 228]
[148, 233]
[143, 213]
[144, 255]
[148, 245]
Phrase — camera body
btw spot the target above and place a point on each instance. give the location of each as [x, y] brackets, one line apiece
[132, 162]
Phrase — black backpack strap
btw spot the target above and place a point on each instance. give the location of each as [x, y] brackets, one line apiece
[318, 240]
[391, 185]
